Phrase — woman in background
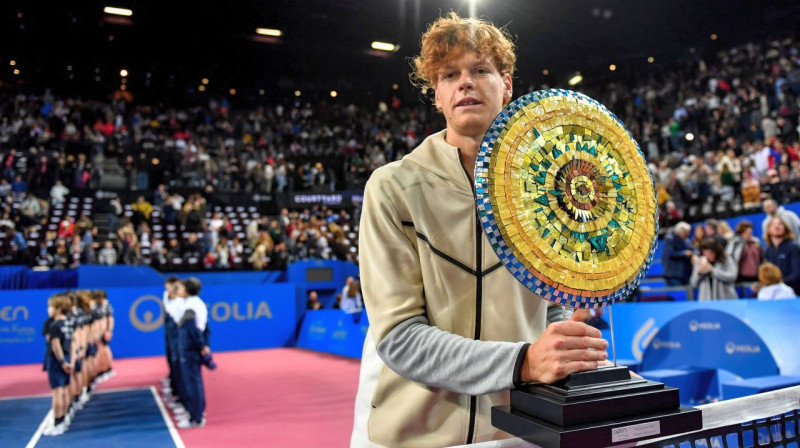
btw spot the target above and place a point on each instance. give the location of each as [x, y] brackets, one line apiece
[714, 273]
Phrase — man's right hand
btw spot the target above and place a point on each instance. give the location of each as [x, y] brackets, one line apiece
[564, 348]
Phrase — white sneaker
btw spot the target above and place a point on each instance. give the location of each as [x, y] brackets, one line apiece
[84, 398]
[166, 390]
[188, 424]
[174, 405]
[180, 413]
[165, 382]
[56, 430]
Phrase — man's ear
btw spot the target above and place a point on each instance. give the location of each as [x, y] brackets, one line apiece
[508, 89]
[436, 100]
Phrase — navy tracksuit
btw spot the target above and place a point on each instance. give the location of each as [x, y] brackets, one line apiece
[173, 357]
[190, 343]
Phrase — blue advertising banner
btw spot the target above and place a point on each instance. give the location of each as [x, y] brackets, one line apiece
[639, 325]
[710, 339]
[334, 331]
[240, 318]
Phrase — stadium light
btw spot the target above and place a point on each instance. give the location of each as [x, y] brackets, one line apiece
[689, 136]
[651, 59]
[473, 8]
[545, 72]
[269, 32]
[204, 81]
[117, 11]
[12, 63]
[714, 36]
[123, 73]
[612, 67]
[232, 91]
[334, 94]
[575, 80]
[297, 93]
[16, 71]
[384, 46]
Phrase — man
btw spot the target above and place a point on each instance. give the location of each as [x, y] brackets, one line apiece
[771, 208]
[172, 314]
[677, 255]
[192, 346]
[451, 330]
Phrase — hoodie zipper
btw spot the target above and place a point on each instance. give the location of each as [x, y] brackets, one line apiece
[473, 400]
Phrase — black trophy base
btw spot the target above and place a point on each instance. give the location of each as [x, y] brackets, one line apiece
[598, 434]
[597, 408]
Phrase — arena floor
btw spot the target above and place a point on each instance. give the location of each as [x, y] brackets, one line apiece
[255, 398]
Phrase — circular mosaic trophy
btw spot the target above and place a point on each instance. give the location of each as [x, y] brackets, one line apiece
[569, 206]
[566, 199]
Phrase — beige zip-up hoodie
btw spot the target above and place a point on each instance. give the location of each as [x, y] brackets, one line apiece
[435, 293]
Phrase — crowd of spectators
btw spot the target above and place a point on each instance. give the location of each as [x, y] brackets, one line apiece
[719, 131]
[715, 259]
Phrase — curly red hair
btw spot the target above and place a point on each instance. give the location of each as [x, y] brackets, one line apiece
[448, 37]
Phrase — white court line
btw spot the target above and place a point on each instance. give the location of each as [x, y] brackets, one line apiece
[170, 426]
[22, 397]
[96, 392]
[38, 434]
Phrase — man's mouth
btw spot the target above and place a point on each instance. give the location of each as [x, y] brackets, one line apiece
[468, 102]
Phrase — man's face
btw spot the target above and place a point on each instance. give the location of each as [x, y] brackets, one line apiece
[470, 92]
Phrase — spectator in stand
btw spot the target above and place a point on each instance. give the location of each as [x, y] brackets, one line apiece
[32, 211]
[699, 235]
[66, 228]
[5, 188]
[313, 301]
[714, 273]
[713, 231]
[783, 250]
[107, 255]
[789, 217]
[58, 193]
[141, 211]
[114, 214]
[351, 297]
[677, 255]
[751, 191]
[19, 186]
[746, 252]
[771, 284]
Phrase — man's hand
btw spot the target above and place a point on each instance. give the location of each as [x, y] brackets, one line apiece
[67, 367]
[565, 347]
[206, 351]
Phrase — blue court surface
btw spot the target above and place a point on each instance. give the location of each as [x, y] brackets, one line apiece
[129, 419]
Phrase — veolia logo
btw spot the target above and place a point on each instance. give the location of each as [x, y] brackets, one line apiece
[11, 313]
[659, 344]
[732, 347]
[224, 311]
[695, 325]
[146, 321]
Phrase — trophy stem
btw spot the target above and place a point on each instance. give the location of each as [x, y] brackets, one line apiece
[611, 324]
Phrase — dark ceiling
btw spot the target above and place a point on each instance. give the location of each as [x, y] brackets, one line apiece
[325, 45]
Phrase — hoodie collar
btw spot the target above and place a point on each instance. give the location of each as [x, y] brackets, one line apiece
[443, 160]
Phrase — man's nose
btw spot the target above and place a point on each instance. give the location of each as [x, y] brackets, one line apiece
[465, 81]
